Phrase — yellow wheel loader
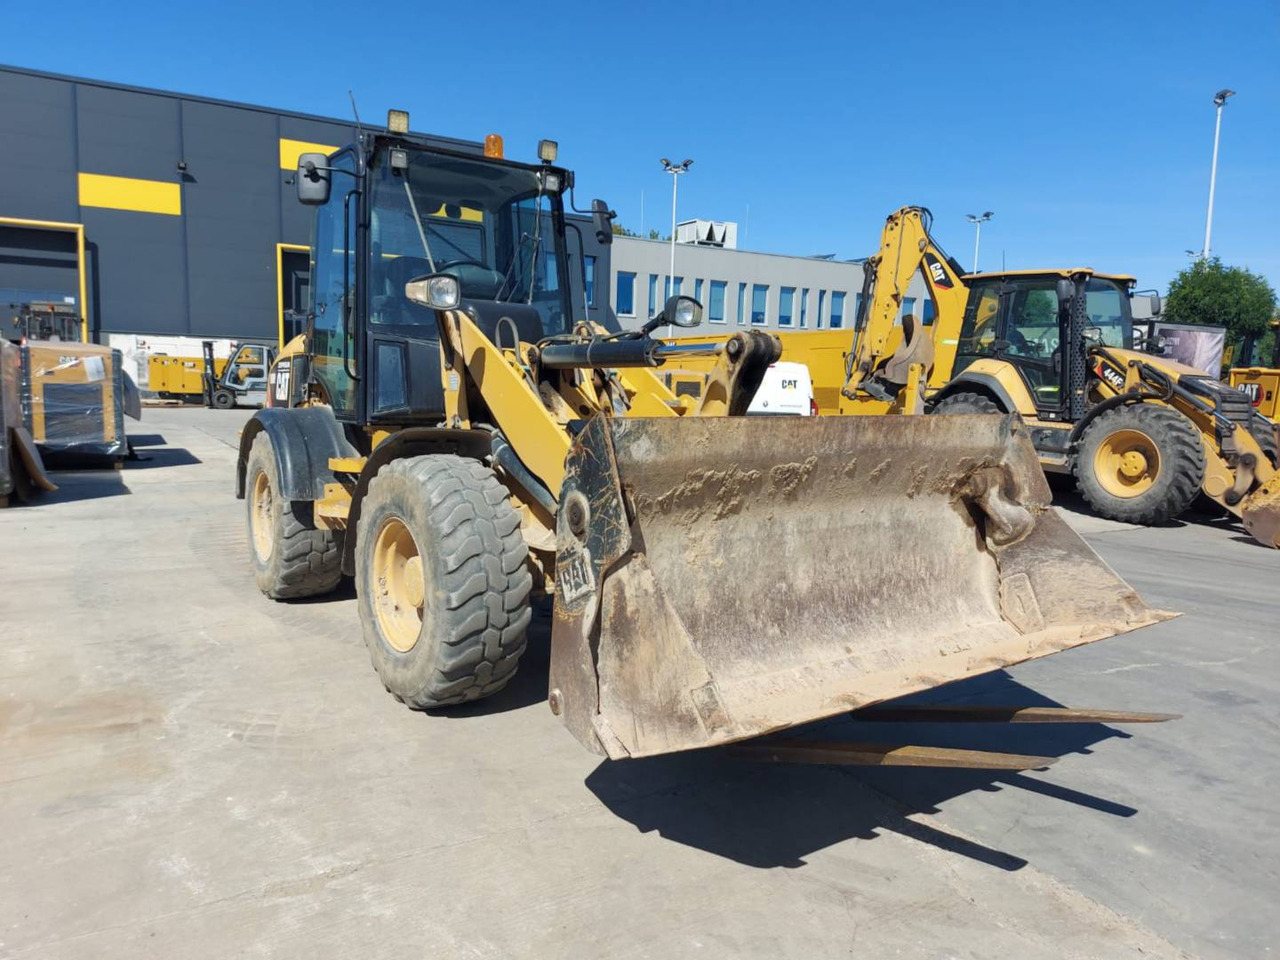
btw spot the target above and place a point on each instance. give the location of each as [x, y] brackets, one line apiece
[1142, 435]
[445, 433]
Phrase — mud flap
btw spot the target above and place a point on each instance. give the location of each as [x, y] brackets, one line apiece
[721, 578]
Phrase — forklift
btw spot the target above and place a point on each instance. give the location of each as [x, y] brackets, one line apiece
[243, 381]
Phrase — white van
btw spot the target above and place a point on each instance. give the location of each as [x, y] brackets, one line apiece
[786, 390]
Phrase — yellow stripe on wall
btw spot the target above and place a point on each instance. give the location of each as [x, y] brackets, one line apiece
[126, 193]
[291, 149]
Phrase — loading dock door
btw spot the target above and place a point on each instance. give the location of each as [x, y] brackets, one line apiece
[295, 290]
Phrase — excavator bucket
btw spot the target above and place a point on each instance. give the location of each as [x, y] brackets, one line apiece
[721, 578]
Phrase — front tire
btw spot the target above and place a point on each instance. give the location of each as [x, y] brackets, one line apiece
[224, 400]
[291, 557]
[1265, 434]
[1141, 463]
[967, 402]
[442, 581]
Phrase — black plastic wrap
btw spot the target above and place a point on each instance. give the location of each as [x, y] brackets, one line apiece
[73, 399]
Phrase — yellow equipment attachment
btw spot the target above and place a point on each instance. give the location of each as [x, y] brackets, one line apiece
[717, 579]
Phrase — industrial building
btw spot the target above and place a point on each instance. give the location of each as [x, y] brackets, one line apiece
[739, 288]
[160, 213]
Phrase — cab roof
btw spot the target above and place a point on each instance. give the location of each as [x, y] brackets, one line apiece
[1054, 272]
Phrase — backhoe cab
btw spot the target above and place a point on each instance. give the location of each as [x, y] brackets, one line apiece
[448, 434]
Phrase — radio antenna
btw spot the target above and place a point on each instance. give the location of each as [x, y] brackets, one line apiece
[359, 128]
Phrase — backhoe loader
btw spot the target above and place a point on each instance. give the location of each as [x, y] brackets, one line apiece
[448, 435]
[1141, 434]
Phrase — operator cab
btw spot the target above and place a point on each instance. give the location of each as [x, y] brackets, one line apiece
[395, 207]
[1024, 319]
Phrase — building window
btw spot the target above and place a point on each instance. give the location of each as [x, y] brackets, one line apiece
[715, 310]
[786, 303]
[822, 302]
[626, 302]
[697, 289]
[653, 294]
[742, 299]
[837, 309]
[908, 306]
[930, 311]
[759, 303]
[589, 274]
[804, 307]
[673, 289]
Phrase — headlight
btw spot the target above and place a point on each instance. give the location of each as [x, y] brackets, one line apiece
[439, 291]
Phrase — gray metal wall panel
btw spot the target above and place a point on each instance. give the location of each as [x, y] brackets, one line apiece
[231, 199]
[124, 134]
[38, 162]
[137, 265]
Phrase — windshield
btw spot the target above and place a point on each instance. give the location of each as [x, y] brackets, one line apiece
[1108, 309]
[489, 225]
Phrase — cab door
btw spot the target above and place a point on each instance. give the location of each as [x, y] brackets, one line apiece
[1031, 340]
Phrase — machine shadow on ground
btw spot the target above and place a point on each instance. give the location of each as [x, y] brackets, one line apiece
[766, 815]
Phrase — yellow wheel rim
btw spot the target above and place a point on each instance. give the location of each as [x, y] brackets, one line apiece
[1127, 463]
[261, 520]
[398, 587]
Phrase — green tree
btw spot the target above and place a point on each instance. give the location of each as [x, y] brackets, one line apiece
[1231, 297]
[620, 231]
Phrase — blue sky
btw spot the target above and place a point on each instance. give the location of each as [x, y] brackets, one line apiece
[1086, 127]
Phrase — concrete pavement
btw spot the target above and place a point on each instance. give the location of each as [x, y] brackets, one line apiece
[192, 770]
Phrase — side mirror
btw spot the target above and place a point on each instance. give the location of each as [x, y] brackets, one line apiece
[439, 291]
[313, 179]
[1066, 291]
[602, 219]
[1156, 305]
[679, 311]
[1093, 333]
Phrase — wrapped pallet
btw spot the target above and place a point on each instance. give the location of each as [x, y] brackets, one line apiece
[74, 398]
[21, 468]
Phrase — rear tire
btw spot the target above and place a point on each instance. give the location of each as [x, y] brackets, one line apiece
[1263, 432]
[291, 557]
[1141, 463]
[967, 402]
[442, 581]
[224, 400]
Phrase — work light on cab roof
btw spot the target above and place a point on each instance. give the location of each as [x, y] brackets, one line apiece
[397, 121]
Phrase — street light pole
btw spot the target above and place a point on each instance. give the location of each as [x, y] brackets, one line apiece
[977, 235]
[675, 169]
[1219, 100]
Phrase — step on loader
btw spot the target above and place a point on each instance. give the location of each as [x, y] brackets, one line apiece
[445, 433]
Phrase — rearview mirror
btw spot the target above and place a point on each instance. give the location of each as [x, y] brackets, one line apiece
[1066, 292]
[678, 311]
[602, 218]
[1156, 305]
[313, 179]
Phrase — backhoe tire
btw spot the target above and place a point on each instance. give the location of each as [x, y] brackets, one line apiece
[224, 399]
[442, 581]
[291, 557]
[1265, 434]
[1141, 463]
[967, 402]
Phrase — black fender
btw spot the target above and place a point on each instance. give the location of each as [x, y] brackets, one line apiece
[410, 442]
[982, 383]
[303, 438]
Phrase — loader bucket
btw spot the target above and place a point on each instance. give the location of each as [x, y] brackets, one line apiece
[721, 578]
[1260, 512]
